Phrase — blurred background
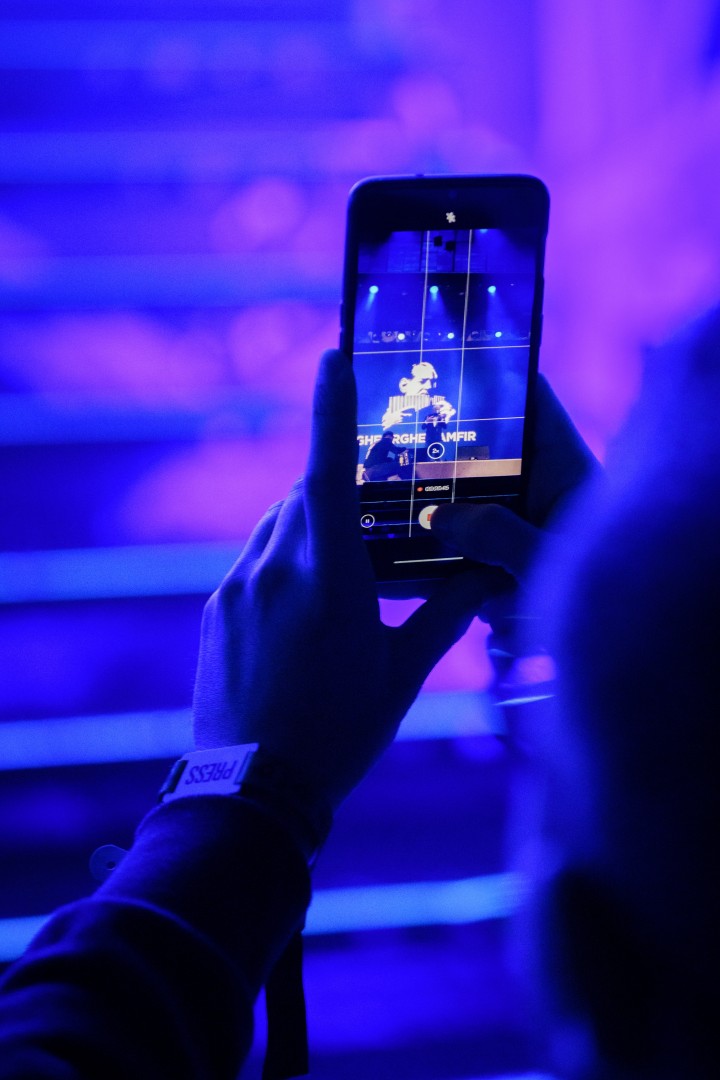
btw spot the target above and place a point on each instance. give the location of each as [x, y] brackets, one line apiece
[173, 178]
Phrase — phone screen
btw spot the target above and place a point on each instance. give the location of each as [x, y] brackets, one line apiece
[444, 342]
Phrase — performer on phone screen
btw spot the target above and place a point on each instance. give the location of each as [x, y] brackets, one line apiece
[415, 397]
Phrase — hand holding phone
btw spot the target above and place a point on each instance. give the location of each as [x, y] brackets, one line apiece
[563, 465]
[293, 649]
[442, 305]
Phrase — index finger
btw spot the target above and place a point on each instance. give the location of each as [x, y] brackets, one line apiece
[331, 500]
[561, 463]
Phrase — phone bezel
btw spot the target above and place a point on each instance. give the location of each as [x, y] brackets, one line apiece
[380, 205]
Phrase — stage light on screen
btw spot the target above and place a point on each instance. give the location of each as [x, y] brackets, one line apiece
[498, 333]
[373, 289]
[492, 289]
[450, 336]
[401, 336]
[434, 290]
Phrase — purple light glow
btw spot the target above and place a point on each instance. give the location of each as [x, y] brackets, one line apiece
[174, 191]
[226, 487]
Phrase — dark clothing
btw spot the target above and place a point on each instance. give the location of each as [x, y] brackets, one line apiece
[382, 460]
[156, 974]
[382, 450]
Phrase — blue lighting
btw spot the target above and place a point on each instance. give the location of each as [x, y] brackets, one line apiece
[136, 44]
[371, 907]
[451, 336]
[401, 337]
[434, 290]
[418, 903]
[136, 280]
[95, 740]
[167, 733]
[16, 934]
[373, 289]
[102, 573]
[492, 289]
[43, 419]
[498, 333]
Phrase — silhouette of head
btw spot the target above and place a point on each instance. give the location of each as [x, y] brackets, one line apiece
[629, 883]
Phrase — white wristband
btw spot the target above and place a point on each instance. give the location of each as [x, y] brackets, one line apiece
[257, 776]
[208, 772]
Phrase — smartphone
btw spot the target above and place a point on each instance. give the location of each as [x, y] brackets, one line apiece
[442, 315]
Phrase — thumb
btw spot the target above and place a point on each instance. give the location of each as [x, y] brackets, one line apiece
[489, 534]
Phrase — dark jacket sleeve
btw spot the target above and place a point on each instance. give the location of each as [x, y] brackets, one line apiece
[155, 975]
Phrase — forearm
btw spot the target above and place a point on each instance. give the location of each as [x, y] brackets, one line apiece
[157, 973]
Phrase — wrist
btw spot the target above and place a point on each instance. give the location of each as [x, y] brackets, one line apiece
[253, 774]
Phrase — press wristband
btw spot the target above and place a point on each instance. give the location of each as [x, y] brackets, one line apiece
[259, 777]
